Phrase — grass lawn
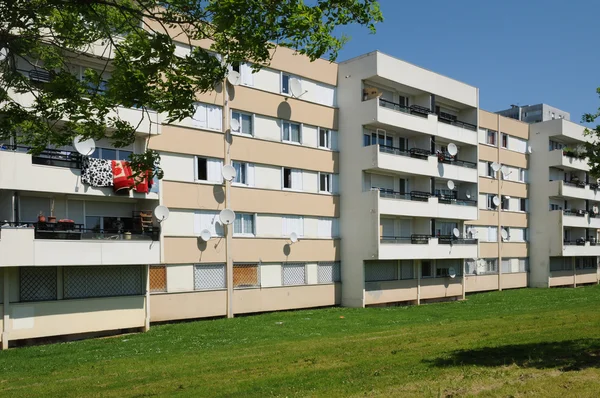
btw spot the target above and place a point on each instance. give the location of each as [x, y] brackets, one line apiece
[531, 342]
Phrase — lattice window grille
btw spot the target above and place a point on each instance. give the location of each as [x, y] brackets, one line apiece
[38, 283]
[294, 274]
[103, 281]
[158, 279]
[381, 271]
[209, 276]
[329, 272]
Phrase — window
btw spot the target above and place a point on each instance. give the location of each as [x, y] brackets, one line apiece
[209, 276]
[324, 138]
[325, 182]
[374, 139]
[491, 137]
[243, 224]
[37, 283]
[292, 224]
[207, 116]
[246, 122]
[241, 172]
[245, 276]
[111, 154]
[293, 274]
[209, 220]
[504, 203]
[292, 132]
[328, 227]
[407, 269]
[490, 170]
[516, 234]
[585, 263]
[385, 270]
[490, 202]
[522, 204]
[87, 282]
[328, 272]
[442, 268]
[561, 264]
[553, 145]
[504, 140]
[285, 83]
[555, 207]
[208, 169]
[488, 266]
[426, 269]
[158, 278]
[107, 224]
[486, 233]
[292, 178]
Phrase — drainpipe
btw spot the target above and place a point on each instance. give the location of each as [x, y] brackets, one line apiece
[499, 209]
[227, 229]
[6, 316]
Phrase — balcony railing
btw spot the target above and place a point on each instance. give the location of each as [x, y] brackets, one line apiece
[422, 196]
[417, 239]
[71, 231]
[416, 110]
[448, 119]
[449, 159]
[48, 157]
[575, 212]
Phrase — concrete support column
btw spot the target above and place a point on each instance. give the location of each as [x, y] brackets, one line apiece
[6, 306]
[147, 317]
[574, 272]
[419, 265]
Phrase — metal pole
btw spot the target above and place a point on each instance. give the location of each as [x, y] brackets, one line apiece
[499, 209]
[227, 228]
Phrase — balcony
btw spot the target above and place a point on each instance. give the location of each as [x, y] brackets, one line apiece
[143, 121]
[417, 161]
[33, 245]
[574, 189]
[426, 247]
[580, 218]
[425, 204]
[51, 171]
[578, 247]
[567, 160]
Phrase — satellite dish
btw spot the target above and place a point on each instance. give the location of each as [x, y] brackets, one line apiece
[235, 125]
[468, 194]
[452, 149]
[296, 87]
[456, 232]
[205, 235]
[161, 213]
[450, 185]
[496, 166]
[233, 78]
[595, 209]
[228, 172]
[504, 169]
[529, 149]
[452, 272]
[227, 216]
[84, 147]
[496, 200]
[504, 234]
[294, 237]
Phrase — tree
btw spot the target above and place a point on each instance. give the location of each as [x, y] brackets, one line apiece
[141, 64]
[592, 149]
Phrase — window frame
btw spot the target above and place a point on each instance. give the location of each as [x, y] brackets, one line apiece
[197, 169]
[244, 167]
[503, 138]
[495, 136]
[328, 182]
[247, 234]
[290, 140]
[117, 153]
[239, 119]
[327, 138]
[283, 76]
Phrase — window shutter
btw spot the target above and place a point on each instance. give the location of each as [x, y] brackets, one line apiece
[325, 227]
[247, 76]
[492, 234]
[200, 116]
[296, 179]
[250, 175]
[215, 116]
[214, 170]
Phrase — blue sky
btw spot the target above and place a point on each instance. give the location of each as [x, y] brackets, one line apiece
[516, 52]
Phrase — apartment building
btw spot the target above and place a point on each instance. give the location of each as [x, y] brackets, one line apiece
[564, 211]
[409, 181]
[534, 113]
[502, 227]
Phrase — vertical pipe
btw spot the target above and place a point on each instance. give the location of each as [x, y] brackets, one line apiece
[499, 234]
[147, 319]
[6, 306]
[227, 228]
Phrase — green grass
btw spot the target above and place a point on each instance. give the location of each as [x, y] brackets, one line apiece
[531, 342]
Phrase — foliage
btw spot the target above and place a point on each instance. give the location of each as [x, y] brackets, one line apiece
[526, 342]
[129, 57]
[592, 149]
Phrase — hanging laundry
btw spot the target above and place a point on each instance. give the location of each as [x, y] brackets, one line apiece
[123, 178]
[96, 172]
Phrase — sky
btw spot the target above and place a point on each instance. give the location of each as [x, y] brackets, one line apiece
[515, 51]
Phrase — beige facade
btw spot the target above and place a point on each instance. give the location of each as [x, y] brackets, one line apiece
[506, 259]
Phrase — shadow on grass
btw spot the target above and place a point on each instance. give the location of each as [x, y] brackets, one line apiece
[566, 355]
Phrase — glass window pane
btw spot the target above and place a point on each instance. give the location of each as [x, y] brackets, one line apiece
[124, 155]
[247, 124]
[286, 131]
[237, 224]
[295, 132]
[285, 84]
[366, 140]
[93, 223]
[109, 154]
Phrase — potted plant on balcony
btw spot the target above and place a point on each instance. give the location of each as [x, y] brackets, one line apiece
[127, 235]
[41, 217]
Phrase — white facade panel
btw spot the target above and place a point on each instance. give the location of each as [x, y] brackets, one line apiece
[268, 226]
[177, 167]
[267, 128]
[270, 275]
[267, 79]
[309, 135]
[310, 181]
[267, 177]
[180, 278]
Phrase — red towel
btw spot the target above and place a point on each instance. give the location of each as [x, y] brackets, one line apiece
[123, 178]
